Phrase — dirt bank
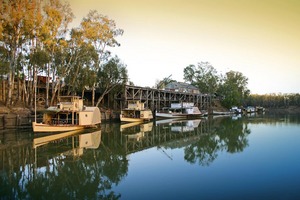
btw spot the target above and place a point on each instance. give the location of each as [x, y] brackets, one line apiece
[19, 109]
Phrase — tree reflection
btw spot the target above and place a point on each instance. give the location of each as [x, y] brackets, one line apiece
[203, 151]
[84, 178]
[224, 135]
[233, 135]
[62, 173]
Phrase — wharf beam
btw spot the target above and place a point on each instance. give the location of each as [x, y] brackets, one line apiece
[156, 99]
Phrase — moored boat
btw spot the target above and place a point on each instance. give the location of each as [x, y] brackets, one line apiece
[179, 110]
[249, 109]
[236, 110]
[260, 109]
[135, 112]
[69, 114]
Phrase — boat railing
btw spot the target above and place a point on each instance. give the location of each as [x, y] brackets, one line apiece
[64, 121]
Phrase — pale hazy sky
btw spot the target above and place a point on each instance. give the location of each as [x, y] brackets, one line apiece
[259, 38]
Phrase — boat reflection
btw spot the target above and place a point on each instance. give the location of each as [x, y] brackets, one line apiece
[40, 141]
[185, 125]
[179, 126]
[73, 142]
[136, 131]
[101, 159]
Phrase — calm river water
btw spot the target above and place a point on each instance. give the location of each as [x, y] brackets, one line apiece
[249, 157]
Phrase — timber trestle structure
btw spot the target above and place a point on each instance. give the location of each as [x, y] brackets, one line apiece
[156, 99]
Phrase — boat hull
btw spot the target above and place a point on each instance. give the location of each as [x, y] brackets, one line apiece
[40, 127]
[181, 110]
[174, 115]
[170, 115]
[128, 119]
[129, 115]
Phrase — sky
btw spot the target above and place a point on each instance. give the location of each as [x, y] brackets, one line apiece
[259, 38]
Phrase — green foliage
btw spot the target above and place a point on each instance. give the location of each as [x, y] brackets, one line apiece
[82, 73]
[101, 32]
[273, 100]
[39, 57]
[4, 62]
[204, 76]
[233, 89]
[111, 74]
[33, 35]
[232, 86]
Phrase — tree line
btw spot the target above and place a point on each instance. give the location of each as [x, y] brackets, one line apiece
[35, 40]
[230, 88]
[274, 100]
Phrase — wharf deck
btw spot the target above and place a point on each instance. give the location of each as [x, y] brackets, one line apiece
[156, 99]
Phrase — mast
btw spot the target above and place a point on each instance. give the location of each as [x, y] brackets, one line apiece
[35, 81]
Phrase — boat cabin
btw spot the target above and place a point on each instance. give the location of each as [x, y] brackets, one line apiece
[71, 103]
[70, 110]
[135, 105]
[182, 105]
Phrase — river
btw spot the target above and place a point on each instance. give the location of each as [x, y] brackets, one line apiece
[241, 157]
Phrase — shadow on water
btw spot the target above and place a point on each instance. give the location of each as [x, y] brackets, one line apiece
[86, 164]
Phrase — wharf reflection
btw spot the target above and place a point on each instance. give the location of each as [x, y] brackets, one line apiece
[59, 166]
[143, 136]
[66, 165]
[185, 125]
[201, 139]
[136, 131]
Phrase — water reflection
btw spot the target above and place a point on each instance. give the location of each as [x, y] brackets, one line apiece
[91, 165]
[225, 135]
[136, 131]
[180, 126]
[64, 166]
[73, 139]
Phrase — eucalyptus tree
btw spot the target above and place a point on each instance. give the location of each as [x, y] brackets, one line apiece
[16, 24]
[4, 61]
[82, 56]
[57, 17]
[1, 20]
[39, 57]
[234, 89]
[204, 76]
[101, 32]
[110, 75]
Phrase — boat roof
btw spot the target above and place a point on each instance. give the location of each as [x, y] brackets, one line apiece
[68, 97]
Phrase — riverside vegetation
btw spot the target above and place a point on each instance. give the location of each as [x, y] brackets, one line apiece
[35, 41]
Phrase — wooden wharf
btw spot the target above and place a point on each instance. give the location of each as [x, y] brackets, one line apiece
[156, 99]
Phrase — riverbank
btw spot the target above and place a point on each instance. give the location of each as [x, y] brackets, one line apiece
[18, 109]
[23, 111]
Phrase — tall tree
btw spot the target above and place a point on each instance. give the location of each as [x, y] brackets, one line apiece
[54, 29]
[101, 32]
[204, 76]
[82, 56]
[234, 89]
[15, 26]
[112, 73]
